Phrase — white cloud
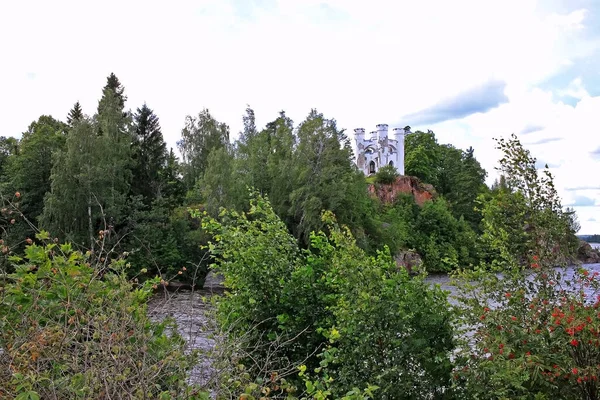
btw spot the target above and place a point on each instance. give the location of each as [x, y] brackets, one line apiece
[360, 62]
[575, 89]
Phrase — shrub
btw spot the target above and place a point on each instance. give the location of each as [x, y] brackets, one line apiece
[370, 322]
[72, 331]
[534, 333]
[387, 175]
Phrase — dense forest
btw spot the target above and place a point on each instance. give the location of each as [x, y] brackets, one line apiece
[111, 173]
[98, 213]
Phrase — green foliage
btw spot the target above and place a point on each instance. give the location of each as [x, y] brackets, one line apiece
[386, 174]
[91, 176]
[29, 171]
[422, 156]
[149, 152]
[75, 115]
[533, 331]
[444, 242]
[199, 138]
[325, 178]
[73, 330]
[388, 329]
[456, 174]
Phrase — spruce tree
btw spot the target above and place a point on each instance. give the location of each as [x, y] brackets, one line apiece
[75, 115]
[114, 86]
[149, 152]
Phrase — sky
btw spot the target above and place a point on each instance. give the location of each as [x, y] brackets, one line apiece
[470, 70]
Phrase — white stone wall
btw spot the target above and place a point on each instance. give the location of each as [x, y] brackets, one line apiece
[377, 149]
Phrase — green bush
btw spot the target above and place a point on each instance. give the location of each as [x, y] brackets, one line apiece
[387, 174]
[69, 330]
[532, 331]
[355, 320]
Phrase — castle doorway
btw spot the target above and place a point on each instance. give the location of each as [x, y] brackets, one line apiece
[372, 167]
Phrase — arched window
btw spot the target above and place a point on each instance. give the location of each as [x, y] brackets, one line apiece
[372, 167]
[391, 163]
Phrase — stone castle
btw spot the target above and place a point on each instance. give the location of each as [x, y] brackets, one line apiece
[378, 149]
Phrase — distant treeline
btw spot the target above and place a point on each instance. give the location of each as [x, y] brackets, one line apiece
[590, 238]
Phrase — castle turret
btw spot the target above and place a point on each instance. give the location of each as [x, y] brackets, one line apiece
[379, 148]
[399, 137]
[382, 131]
[359, 134]
[359, 138]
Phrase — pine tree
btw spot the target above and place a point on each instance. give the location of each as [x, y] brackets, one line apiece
[75, 115]
[149, 153]
[114, 86]
[171, 184]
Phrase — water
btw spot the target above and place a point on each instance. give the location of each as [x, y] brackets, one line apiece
[595, 245]
[190, 311]
[444, 280]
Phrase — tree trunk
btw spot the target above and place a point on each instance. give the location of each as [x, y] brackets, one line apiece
[90, 225]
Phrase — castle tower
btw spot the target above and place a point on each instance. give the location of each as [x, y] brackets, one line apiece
[382, 131]
[379, 149]
[399, 139]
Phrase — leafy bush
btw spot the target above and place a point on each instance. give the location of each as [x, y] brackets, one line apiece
[69, 330]
[387, 174]
[371, 323]
[443, 242]
[532, 332]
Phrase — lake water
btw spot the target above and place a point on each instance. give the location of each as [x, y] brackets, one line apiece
[595, 245]
[190, 310]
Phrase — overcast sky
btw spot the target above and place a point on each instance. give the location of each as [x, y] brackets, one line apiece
[470, 70]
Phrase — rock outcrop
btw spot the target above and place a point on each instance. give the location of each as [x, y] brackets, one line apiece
[410, 260]
[411, 185]
[587, 254]
[214, 282]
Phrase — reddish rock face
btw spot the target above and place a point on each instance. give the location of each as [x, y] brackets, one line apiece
[421, 192]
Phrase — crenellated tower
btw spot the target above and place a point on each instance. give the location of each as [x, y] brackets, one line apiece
[379, 148]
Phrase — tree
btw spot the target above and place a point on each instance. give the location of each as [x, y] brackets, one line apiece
[114, 154]
[71, 207]
[422, 157]
[199, 138]
[532, 330]
[386, 174]
[75, 115]
[114, 85]
[29, 171]
[91, 177]
[461, 180]
[172, 187]
[9, 146]
[219, 187]
[323, 174]
[149, 152]
[371, 323]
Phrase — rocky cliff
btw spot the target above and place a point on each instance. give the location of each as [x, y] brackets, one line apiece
[388, 193]
[586, 254]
